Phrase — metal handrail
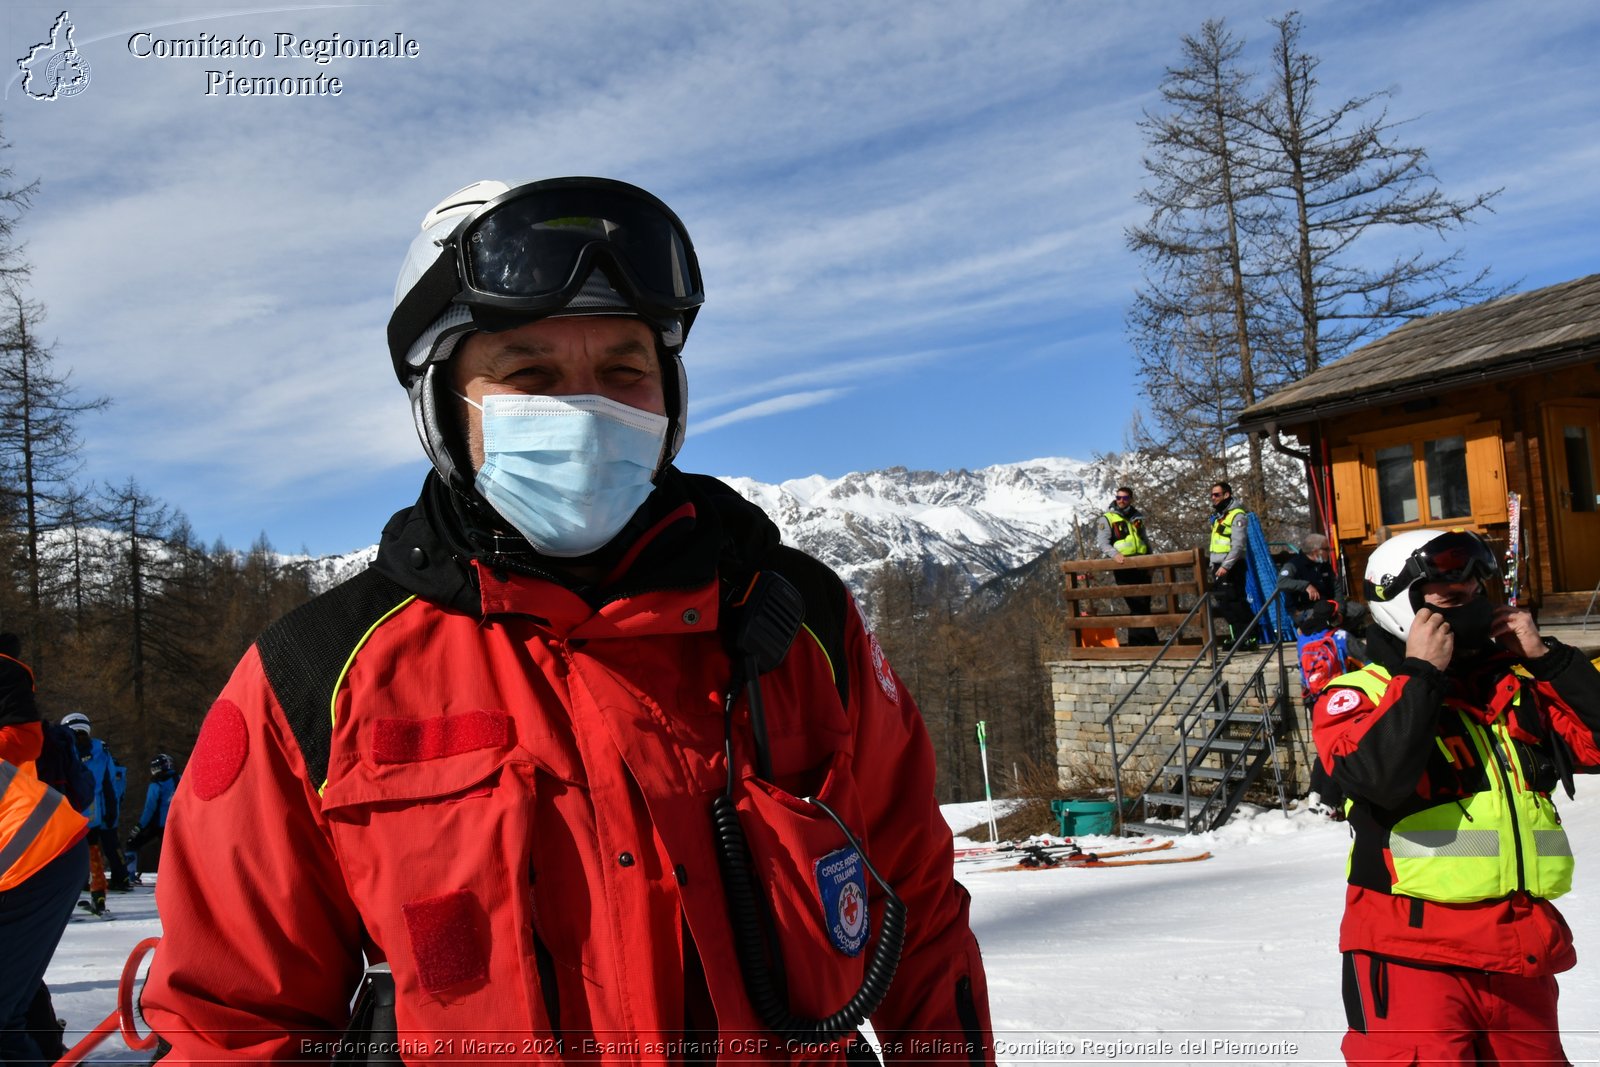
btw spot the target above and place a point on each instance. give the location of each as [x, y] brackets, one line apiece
[1110, 719]
[1190, 714]
[1223, 792]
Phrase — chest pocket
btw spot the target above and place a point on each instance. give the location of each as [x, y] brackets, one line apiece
[431, 820]
[1455, 767]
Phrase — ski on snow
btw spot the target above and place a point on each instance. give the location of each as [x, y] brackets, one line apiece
[1039, 858]
[1042, 859]
[1140, 862]
[1044, 844]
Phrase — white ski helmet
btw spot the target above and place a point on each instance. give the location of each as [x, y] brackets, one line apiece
[493, 257]
[76, 721]
[1399, 568]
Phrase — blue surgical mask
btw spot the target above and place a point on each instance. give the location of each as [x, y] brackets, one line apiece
[567, 472]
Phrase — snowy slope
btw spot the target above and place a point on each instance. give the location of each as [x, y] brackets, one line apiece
[1082, 964]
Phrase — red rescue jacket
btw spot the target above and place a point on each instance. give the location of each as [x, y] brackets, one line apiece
[1394, 757]
[509, 802]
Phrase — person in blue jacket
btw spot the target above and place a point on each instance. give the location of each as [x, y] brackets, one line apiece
[157, 798]
[121, 866]
[104, 854]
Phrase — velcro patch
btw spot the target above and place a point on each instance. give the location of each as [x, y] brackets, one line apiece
[842, 887]
[219, 752]
[444, 940]
[1343, 700]
[410, 740]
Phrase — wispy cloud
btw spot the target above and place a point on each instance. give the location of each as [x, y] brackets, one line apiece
[771, 406]
[899, 198]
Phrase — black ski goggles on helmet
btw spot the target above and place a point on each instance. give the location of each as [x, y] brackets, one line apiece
[1457, 556]
[527, 253]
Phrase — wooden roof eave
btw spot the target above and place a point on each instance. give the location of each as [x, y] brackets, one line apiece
[1292, 415]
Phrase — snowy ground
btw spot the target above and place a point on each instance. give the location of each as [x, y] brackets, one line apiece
[1129, 965]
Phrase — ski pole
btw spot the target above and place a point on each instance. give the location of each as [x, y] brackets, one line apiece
[122, 1017]
[988, 797]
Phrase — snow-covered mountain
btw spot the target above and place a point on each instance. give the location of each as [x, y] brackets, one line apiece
[328, 571]
[979, 524]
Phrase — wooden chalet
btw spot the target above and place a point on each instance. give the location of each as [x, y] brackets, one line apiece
[1432, 425]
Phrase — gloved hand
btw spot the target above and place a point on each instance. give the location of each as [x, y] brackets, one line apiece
[133, 839]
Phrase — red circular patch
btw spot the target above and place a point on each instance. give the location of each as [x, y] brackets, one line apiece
[219, 753]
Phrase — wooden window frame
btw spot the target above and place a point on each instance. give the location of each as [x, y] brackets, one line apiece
[1360, 517]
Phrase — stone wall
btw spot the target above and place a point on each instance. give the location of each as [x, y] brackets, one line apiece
[1084, 691]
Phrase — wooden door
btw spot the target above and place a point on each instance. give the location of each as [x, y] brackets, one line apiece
[1572, 445]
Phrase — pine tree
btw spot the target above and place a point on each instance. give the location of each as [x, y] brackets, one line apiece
[1255, 250]
[38, 435]
[1192, 320]
[1340, 175]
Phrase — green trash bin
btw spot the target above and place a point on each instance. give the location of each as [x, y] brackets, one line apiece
[1079, 818]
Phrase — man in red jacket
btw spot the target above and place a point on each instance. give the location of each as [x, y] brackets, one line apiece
[565, 759]
[1449, 744]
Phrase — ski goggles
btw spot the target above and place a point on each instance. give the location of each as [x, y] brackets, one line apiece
[1457, 556]
[528, 252]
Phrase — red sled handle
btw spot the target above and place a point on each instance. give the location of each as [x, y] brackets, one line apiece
[122, 1018]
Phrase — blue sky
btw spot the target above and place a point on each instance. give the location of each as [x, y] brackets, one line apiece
[910, 216]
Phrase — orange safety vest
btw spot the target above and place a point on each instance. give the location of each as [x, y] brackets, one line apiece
[36, 825]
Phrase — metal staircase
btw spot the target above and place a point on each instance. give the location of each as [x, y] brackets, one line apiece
[1209, 743]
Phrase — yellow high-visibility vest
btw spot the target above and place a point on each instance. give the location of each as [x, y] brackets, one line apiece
[1222, 530]
[1484, 846]
[1127, 535]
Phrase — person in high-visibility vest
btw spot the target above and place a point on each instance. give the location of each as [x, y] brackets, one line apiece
[1121, 537]
[43, 862]
[1449, 744]
[1226, 552]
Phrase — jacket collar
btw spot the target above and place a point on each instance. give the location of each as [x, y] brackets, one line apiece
[690, 531]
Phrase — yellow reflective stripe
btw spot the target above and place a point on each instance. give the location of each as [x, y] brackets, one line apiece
[832, 675]
[333, 699]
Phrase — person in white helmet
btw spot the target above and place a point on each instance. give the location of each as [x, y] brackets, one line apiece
[1449, 744]
[592, 763]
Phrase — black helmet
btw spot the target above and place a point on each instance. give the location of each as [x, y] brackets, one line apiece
[161, 767]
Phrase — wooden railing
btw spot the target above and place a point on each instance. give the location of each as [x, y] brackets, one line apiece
[1089, 581]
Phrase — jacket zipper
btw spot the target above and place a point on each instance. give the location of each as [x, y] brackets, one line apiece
[1492, 743]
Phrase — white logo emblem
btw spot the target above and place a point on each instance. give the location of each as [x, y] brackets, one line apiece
[880, 667]
[55, 68]
[1342, 701]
